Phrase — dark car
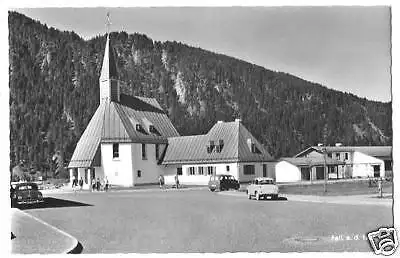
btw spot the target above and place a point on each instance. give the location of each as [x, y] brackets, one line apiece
[223, 182]
[25, 193]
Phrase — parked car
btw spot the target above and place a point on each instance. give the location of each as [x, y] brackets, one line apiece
[223, 182]
[263, 187]
[25, 193]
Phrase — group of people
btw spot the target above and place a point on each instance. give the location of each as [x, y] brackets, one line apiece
[76, 182]
[96, 184]
[100, 185]
[161, 181]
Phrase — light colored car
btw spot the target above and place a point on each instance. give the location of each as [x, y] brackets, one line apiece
[262, 187]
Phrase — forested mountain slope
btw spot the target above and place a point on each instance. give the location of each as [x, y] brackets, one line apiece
[54, 91]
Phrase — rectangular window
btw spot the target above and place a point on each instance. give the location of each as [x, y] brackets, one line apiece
[201, 171]
[253, 148]
[115, 150]
[265, 170]
[210, 170]
[227, 168]
[179, 171]
[329, 155]
[337, 156]
[248, 170]
[139, 173]
[144, 156]
[191, 171]
[157, 151]
[346, 156]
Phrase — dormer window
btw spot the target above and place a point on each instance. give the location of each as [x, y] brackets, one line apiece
[153, 130]
[219, 146]
[210, 147]
[139, 128]
[252, 146]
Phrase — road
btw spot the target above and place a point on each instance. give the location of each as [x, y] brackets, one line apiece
[201, 221]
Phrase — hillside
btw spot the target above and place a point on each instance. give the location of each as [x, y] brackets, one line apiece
[54, 92]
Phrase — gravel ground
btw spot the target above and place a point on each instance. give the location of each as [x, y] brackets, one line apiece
[201, 221]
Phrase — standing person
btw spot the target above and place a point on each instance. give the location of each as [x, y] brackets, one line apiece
[106, 184]
[98, 184]
[161, 181]
[73, 182]
[177, 181]
[81, 183]
[93, 184]
[103, 184]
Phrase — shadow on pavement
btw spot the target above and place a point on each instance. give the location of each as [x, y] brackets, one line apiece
[280, 198]
[77, 250]
[50, 202]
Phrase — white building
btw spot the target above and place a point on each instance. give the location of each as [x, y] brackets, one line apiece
[228, 148]
[360, 161]
[306, 169]
[126, 137]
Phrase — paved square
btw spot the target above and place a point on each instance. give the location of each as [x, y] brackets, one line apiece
[201, 221]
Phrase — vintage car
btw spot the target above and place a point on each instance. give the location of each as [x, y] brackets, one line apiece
[223, 182]
[25, 193]
[263, 187]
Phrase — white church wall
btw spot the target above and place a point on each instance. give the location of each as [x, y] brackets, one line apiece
[149, 169]
[117, 170]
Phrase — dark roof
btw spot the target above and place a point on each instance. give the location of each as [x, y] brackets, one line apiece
[312, 161]
[193, 149]
[374, 151]
[115, 122]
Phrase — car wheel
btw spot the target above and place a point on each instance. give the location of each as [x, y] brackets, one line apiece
[212, 189]
[257, 196]
[249, 196]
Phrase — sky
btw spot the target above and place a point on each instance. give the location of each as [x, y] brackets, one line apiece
[343, 48]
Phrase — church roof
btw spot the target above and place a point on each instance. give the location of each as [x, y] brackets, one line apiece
[235, 147]
[85, 150]
[116, 122]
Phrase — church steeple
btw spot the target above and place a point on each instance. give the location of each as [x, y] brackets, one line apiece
[109, 85]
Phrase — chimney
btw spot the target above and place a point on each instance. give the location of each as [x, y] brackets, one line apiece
[320, 144]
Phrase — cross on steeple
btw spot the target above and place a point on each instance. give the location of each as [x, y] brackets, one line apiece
[108, 23]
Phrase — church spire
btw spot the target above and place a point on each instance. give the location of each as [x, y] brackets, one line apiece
[109, 86]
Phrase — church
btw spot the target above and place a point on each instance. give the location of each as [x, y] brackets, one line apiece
[131, 141]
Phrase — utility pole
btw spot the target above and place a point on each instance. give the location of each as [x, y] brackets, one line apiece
[325, 171]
